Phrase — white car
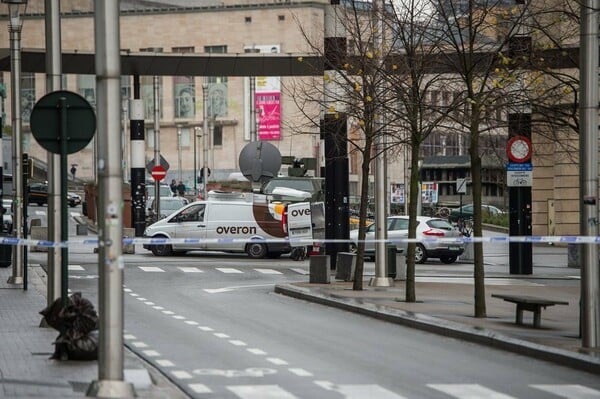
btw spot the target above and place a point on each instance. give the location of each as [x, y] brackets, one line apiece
[427, 228]
[168, 205]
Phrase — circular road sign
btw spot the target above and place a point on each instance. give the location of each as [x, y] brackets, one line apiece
[158, 173]
[519, 149]
[63, 114]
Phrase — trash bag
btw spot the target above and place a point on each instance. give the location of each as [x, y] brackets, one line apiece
[77, 324]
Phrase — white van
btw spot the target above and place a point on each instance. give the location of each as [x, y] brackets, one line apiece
[230, 222]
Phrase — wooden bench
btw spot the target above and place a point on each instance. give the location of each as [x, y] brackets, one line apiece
[531, 304]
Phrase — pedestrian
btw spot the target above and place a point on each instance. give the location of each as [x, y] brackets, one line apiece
[181, 188]
[173, 187]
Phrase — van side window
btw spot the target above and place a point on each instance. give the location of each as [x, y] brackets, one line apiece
[193, 214]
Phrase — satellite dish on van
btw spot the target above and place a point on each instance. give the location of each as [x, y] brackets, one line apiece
[260, 161]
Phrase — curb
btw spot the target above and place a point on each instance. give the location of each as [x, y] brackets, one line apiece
[447, 328]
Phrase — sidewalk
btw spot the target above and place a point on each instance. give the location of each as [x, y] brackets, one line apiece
[26, 370]
[445, 305]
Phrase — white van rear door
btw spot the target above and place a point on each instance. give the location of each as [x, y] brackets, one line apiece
[299, 224]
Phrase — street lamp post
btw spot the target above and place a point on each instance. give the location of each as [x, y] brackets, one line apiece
[179, 165]
[205, 134]
[15, 7]
[196, 128]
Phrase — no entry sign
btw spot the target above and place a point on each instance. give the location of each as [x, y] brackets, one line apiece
[158, 173]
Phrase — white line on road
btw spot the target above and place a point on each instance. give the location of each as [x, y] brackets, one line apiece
[260, 392]
[190, 269]
[569, 391]
[205, 328]
[256, 351]
[300, 372]
[182, 375]
[277, 361]
[199, 388]
[233, 288]
[139, 344]
[191, 322]
[157, 307]
[268, 271]
[151, 353]
[300, 271]
[76, 268]
[177, 317]
[468, 391]
[221, 335]
[129, 336]
[149, 303]
[228, 270]
[168, 312]
[165, 363]
[153, 269]
[237, 342]
[363, 391]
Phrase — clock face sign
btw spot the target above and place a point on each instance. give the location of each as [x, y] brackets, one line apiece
[519, 149]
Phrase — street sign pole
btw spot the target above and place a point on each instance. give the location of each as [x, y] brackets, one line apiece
[64, 262]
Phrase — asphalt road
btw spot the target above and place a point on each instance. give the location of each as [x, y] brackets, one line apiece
[213, 325]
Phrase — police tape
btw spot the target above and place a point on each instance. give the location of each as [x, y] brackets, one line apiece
[298, 242]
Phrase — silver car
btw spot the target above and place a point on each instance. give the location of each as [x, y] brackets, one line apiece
[427, 228]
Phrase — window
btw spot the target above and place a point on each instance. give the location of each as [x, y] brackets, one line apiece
[218, 135]
[86, 85]
[27, 95]
[184, 92]
[248, 19]
[281, 18]
[217, 88]
[147, 94]
[150, 138]
[125, 87]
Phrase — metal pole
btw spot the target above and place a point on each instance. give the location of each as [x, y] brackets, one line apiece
[64, 229]
[156, 144]
[195, 161]
[53, 82]
[15, 25]
[179, 165]
[110, 383]
[138, 172]
[381, 198]
[253, 124]
[590, 276]
[205, 138]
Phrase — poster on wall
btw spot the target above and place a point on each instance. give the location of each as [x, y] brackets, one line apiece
[429, 193]
[397, 194]
[267, 98]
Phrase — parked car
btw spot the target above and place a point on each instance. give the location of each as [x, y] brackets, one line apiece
[168, 205]
[466, 212]
[74, 199]
[427, 228]
[38, 194]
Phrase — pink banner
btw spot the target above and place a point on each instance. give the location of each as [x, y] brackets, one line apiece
[268, 111]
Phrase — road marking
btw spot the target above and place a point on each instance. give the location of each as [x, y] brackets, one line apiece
[165, 363]
[139, 344]
[256, 351]
[151, 353]
[300, 372]
[363, 391]
[199, 388]
[133, 294]
[141, 299]
[157, 307]
[153, 269]
[182, 375]
[277, 361]
[75, 214]
[179, 317]
[149, 303]
[300, 271]
[168, 312]
[205, 328]
[237, 342]
[129, 336]
[73, 268]
[228, 270]
[191, 322]
[190, 269]
[221, 335]
[127, 289]
[569, 391]
[268, 271]
[260, 392]
[468, 391]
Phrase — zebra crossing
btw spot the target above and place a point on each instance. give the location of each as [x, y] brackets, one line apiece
[374, 391]
[198, 270]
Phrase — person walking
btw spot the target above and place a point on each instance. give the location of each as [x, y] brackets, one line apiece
[173, 187]
[181, 188]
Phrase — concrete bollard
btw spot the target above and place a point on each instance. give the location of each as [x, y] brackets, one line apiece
[468, 255]
[319, 269]
[39, 233]
[400, 266]
[345, 266]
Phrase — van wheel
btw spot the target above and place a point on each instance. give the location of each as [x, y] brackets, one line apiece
[162, 250]
[256, 250]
